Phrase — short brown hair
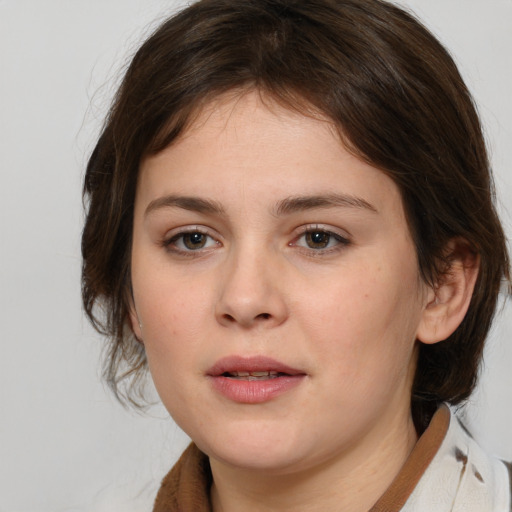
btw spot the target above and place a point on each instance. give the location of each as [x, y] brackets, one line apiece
[386, 82]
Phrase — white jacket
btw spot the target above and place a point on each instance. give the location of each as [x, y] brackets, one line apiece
[461, 477]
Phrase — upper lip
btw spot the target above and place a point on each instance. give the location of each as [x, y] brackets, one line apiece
[233, 364]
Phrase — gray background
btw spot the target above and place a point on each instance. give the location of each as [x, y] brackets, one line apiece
[65, 445]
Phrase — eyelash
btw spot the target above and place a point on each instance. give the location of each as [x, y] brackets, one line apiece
[341, 241]
[170, 244]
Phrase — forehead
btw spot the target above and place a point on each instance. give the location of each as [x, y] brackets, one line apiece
[241, 143]
[248, 106]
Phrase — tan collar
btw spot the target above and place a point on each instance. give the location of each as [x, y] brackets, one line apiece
[187, 486]
[416, 464]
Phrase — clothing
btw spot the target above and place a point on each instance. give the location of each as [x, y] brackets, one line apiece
[446, 472]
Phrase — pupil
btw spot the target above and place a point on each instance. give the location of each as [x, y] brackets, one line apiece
[318, 239]
[194, 240]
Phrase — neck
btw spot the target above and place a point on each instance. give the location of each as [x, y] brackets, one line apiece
[351, 481]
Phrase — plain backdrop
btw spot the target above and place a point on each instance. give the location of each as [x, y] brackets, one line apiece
[65, 444]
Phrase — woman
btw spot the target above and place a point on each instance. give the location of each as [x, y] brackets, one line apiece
[291, 223]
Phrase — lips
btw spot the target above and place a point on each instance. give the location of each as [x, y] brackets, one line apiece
[253, 379]
[245, 366]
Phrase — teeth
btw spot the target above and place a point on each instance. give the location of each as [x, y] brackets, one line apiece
[254, 375]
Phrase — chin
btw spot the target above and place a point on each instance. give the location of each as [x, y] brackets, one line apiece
[267, 460]
[252, 449]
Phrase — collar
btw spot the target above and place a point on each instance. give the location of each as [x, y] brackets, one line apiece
[446, 472]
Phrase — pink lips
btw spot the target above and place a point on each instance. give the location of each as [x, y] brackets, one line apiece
[229, 378]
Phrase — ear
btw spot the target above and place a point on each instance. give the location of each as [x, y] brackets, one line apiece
[449, 300]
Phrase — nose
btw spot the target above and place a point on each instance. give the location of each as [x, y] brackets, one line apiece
[251, 292]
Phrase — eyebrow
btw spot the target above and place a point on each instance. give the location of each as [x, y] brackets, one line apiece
[283, 207]
[302, 203]
[195, 204]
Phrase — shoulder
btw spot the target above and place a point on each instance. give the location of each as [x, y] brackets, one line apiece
[462, 477]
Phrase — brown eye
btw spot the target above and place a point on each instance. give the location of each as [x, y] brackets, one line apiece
[317, 239]
[321, 241]
[190, 241]
[194, 241]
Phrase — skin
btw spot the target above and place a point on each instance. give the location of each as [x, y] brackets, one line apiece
[347, 313]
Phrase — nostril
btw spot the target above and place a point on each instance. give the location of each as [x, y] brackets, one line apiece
[246, 319]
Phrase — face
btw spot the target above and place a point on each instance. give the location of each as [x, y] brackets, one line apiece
[277, 287]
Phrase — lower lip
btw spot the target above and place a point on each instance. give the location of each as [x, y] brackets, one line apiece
[254, 391]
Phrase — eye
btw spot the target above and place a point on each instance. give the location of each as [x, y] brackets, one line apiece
[320, 239]
[190, 241]
[317, 239]
[194, 241]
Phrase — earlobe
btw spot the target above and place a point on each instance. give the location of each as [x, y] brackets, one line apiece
[448, 302]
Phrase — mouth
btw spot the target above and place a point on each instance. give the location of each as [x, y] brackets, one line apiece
[252, 380]
[250, 376]
[252, 368]
[253, 375]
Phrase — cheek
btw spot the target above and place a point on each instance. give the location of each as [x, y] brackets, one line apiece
[365, 318]
[171, 299]
[173, 314]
